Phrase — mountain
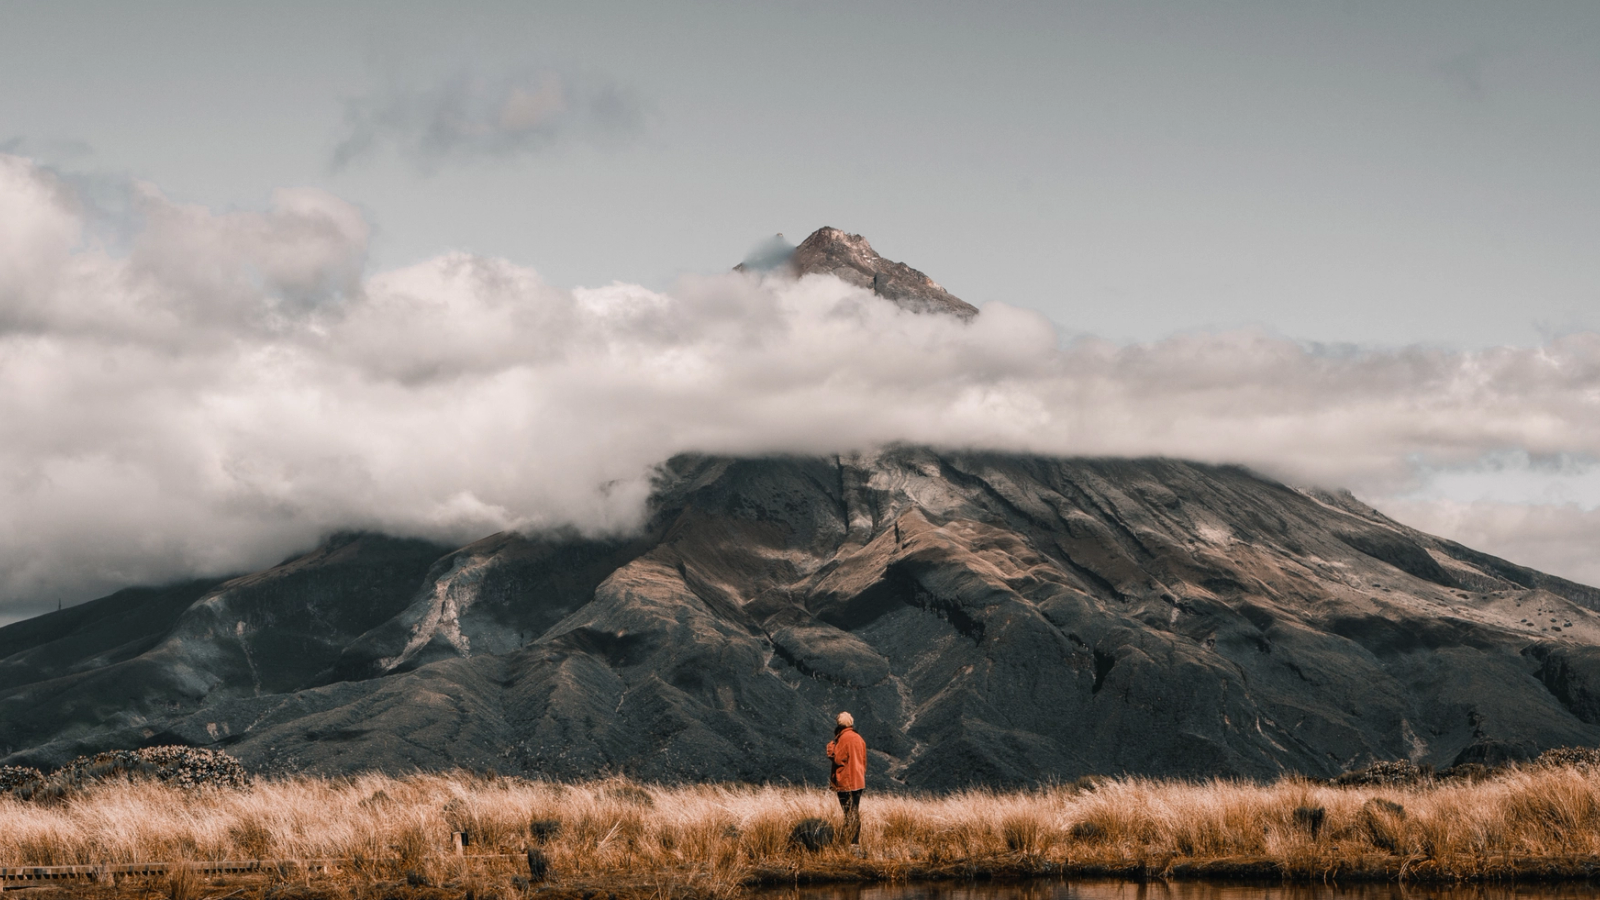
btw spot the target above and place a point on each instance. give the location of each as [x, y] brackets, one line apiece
[829, 251]
[988, 618]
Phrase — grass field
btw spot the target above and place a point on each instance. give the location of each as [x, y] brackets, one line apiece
[713, 841]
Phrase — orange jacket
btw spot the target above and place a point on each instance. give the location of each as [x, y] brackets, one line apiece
[849, 754]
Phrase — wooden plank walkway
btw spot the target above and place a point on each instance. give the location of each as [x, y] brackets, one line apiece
[11, 875]
[108, 871]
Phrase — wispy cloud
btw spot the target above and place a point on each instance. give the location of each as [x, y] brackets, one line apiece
[230, 385]
[470, 117]
[58, 149]
[1553, 537]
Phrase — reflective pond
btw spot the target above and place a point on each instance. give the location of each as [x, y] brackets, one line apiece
[1125, 890]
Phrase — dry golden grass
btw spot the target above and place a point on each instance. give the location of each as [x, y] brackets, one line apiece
[713, 840]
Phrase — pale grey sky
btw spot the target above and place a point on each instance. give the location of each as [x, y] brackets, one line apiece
[1348, 243]
[1361, 171]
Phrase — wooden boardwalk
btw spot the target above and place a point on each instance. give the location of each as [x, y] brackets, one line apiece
[110, 872]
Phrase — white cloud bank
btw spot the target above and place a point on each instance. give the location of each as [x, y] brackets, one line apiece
[229, 386]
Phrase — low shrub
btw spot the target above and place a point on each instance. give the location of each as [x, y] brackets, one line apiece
[1581, 758]
[13, 777]
[812, 834]
[1392, 772]
[190, 768]
[1310, 818]
[543, 831]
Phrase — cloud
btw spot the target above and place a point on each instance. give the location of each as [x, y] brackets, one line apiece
[768, 255]
[468, 117]
[229, 386]
[1558, 538]
[57, 149]
[1515, 476]
[187, 275]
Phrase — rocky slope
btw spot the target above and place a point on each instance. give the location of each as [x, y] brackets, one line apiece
[988, 618]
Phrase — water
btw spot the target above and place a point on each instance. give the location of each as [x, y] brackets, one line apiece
[1124, 890]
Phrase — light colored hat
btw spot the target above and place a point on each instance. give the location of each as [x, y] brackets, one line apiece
[847, 720]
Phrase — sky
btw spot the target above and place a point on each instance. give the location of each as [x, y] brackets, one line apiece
[272, 270]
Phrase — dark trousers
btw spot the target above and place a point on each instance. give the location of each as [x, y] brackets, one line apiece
[850, 802]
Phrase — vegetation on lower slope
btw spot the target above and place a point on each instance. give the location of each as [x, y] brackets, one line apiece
[394, 835]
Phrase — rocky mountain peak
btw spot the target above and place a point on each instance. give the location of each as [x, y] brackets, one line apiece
[831, 251]
[828, 239]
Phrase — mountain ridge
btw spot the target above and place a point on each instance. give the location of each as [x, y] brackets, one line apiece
[990, 618]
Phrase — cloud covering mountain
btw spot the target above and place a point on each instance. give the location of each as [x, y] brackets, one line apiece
[221, 388]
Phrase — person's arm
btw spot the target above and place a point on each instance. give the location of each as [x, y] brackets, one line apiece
[831, 746]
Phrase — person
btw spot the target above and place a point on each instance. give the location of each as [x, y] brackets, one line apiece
[848, 752]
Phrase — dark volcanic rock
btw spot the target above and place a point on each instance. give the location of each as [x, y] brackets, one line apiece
[829, 251]
[129, 669]
[987, 618]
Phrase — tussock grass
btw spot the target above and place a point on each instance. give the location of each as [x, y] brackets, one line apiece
[714, 840]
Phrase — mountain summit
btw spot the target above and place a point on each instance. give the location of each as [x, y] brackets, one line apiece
[830, 251]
